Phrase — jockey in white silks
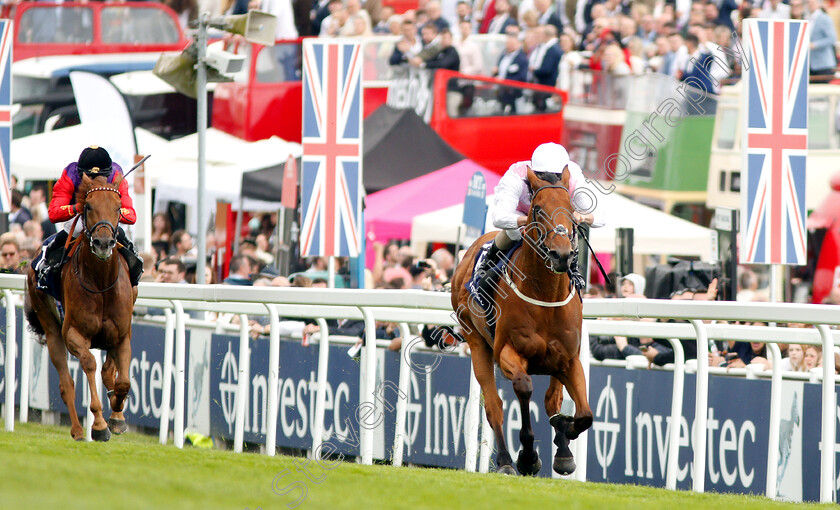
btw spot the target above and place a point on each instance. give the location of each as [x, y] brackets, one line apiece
[513, 200]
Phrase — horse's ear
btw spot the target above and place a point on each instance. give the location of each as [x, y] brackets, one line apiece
[86, 181]
[566, 176]
[118, 180]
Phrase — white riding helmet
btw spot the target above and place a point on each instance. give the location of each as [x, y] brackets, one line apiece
[549, 157]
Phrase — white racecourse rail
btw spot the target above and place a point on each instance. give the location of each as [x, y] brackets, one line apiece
[411, 306]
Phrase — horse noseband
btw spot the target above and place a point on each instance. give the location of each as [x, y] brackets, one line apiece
[560, 230]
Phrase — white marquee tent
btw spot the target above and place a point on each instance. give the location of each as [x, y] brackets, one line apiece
[655, 232]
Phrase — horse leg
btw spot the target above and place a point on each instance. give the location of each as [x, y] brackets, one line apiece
[567, 427]
[482, 358]
[553, 397]
[528, 462]
[123, 384]
[58, 356]
[576, 384]
[79, 349]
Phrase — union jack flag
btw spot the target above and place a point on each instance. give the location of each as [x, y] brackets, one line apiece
[5, 114]
[331, 180]
[776, 106]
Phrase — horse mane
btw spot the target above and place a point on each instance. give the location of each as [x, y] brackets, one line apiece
[549, 177]
[99, 182]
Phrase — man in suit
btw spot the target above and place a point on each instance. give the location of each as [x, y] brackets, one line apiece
[823, 37]
[697, 73]
[547, 64]
[502, 19]
[513, 65]
[547, 14]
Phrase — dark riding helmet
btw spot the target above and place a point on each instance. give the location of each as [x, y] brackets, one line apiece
[95, 161]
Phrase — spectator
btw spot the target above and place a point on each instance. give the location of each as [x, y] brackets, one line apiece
[502, 19]
[433, 11]
[813, 357]
[38, 204]
[697, 68]
[10, 254]
[679, 56]
[823, 38]
[319, 283]
[633, 286]
[182, 244]
[546, 65]
[463, 13]
[797, 9]
[332, 24]
[19, 214]
[241, 269]
[445, 56]
[775, 9]
[513, 65]
[383, 24]
[546, 14]
[33, 231]
[149, 266]
[161, 228]
[171, 270]
[614, 62]
[302, 281]
[472, 61]
[749, 353]
[354, 12]
[795, 362]
[619, 347]
[409, 46]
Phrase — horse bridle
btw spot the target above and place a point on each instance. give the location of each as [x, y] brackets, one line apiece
[558, 230]
[89, 234]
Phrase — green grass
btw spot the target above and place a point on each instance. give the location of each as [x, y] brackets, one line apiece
[41, 467]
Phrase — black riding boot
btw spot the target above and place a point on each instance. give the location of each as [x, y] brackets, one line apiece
[490, 260]
[574, 273]
[135, 263]
[52, 257]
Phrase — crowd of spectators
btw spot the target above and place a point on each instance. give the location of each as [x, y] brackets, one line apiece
[696, 40]
[723, 354]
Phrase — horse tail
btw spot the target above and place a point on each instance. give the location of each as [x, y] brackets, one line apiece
[35, 325]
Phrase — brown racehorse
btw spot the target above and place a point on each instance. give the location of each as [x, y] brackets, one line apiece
[530, 338]
[98, 299]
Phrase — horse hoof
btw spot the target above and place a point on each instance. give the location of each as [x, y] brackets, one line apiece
[117, 426]
[564, 466]
[528, 468]
[506, 470]
[100, 435]
[77, 439]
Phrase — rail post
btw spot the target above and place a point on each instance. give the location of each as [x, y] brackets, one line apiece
[701, 406]
[321, 397]
[273, 378]
[166, 398]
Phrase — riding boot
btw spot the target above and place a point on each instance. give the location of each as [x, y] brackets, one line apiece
[52, 258]
[129, 251]
[491, 259]
[574, 273]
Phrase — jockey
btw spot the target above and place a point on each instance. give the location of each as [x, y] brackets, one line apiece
[95, 162]
[513, 201]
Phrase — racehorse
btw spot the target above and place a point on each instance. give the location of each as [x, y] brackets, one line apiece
[99, 300]
[532, 326]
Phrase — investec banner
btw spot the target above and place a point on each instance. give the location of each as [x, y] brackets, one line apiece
[627, 443]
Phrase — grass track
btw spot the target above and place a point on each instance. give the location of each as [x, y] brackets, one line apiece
[41, 467]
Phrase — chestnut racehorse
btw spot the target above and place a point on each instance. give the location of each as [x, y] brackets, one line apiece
[98, 300]
[537, 321]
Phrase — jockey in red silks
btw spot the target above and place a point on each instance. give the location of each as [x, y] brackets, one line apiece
[513, 201]
[95, 162]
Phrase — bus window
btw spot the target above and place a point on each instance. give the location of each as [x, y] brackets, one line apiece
[728, 128]
[126, 24]
[279, 63]
[57, 25]
[819, 128]
[474, 98]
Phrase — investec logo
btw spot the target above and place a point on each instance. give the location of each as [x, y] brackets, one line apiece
[645, 437]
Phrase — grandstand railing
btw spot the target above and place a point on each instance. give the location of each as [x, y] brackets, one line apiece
[405, 307]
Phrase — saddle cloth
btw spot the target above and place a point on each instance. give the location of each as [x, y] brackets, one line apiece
[480, 286]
